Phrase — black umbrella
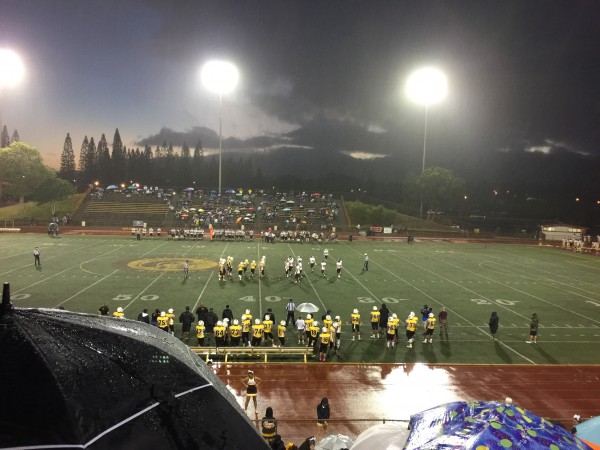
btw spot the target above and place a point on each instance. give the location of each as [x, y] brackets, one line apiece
[73, 380]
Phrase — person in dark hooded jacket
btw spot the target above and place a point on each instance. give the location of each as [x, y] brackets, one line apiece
[494, 322]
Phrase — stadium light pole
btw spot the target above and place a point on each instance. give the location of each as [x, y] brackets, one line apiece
[426, 87]
[219, 77]
[11, 72]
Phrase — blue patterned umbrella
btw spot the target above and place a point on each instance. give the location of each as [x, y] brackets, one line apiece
[486, 426]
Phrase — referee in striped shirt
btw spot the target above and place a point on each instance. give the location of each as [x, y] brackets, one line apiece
[291, 307]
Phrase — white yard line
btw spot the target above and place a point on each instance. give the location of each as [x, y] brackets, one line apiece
[202, 292]
[50, 258]
[63, 271]
[259, 282]
[207, 281]
[86, 288]
[311, 284]
[449, 309]
[144, 290]
[571, 311]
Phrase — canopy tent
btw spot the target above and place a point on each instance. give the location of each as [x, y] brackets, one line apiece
[87, 381]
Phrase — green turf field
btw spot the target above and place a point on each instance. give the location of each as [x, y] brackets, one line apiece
[81, 273]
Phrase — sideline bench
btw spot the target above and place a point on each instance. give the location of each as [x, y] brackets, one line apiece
[252, 351]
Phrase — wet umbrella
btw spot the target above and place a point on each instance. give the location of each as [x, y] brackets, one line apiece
[85, 381]
[112, 187]
[290, 202]
[286, 209]
[382, 436]
[589, 430]
[307, 308]
[334, 442]
[486, 425]
[188, 189]
[133, 187]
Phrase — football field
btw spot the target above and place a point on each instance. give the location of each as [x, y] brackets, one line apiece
[80, 273]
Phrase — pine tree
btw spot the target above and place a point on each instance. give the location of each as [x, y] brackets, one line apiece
[185, 151]
[198, 150]
[83, 155]
[198, 166]
[118, 157]
[104, 161]
[92, 170]
[67, 160]
[4, 138]
[15, 136]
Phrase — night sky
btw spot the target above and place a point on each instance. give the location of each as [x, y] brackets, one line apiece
[523, 76]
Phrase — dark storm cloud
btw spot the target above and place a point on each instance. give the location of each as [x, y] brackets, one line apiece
[518, 70]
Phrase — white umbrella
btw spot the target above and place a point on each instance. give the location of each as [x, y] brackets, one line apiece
[307, 308]
[334, 442]
[385, 436]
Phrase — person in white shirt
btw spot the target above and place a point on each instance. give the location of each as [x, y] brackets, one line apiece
[338, 267]
[301, 327]
[312, 261]
[323, 267]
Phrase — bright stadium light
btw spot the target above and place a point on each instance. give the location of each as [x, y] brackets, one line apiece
[220, 77]
[12, 69]
[426, 87]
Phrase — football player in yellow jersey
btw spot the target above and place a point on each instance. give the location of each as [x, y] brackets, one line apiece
[397, 323]
[119, 314]
[171, 321]
[163, 321]
[325, 339]
[313, 331]
[327, 322]
[222, 270]
[229, 266]
[338, 334]
[235, 331]
[430, 327]
[268, 324]
[252, 268]
[261, 267]
[355, 321]
[281, 330]
[307, 324]
[240, 270]
[246, 326]
[392, 328]
[375, 316]
[411, 328]
[200, 332]
[258, 330]
[219, 332]
[246, 264]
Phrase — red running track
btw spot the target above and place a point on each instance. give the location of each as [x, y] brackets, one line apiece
[362, 395]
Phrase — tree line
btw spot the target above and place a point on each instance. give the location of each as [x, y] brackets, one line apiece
[161, 166]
